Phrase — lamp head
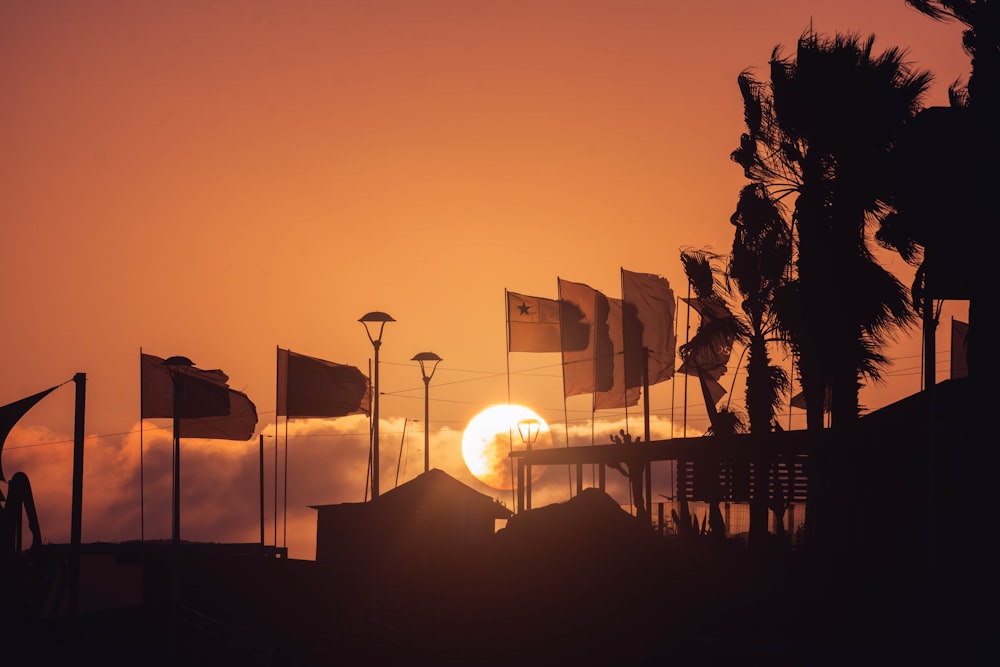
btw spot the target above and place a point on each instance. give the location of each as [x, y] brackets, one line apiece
[373, 318]
[431, 360]
[528, 430]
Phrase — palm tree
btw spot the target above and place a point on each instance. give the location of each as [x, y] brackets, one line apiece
[821, 130]
[945, 203]
[705, 356]
[758, 267]
[981, 40]
[947, 177]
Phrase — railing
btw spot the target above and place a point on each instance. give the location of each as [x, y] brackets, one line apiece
[735, 514]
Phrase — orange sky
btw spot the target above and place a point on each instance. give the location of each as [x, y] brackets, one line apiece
[215, 179]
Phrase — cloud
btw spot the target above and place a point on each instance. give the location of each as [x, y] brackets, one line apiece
[323, 461]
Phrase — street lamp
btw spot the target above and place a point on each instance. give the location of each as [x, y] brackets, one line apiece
[178, 368]
[528, 430]
[427, 359]
[370, 320]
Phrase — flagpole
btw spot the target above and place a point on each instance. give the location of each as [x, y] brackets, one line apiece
[562, 356]
[673, 375]
[625, 346]
[277, 441]
[510, 433]
[261, 475]
[371, 437]
[277, 435]
[284, 490]
[562, 363]
[142, 485]
[673, 407]
[687, 339]
[77, 505]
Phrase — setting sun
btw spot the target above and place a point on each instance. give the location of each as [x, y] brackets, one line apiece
[490, 436]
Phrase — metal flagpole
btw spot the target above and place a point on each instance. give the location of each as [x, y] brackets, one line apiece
[277, 436]
[510, 430]
[77, 505]
[261, 474]
[284, 509]
[142, 485]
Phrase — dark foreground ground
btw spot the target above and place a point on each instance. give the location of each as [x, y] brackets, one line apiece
[576, 584]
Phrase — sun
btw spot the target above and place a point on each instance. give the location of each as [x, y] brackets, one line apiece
[489, 437]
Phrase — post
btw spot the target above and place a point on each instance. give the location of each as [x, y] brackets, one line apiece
[427, 416]
[930, 341]
[520, 485]
[375, 439]
[648, 470]
[76, 521]
[261, 489]
[528, 429]
[178, 368]
[175, 535]
[432, 360]
[527, 482]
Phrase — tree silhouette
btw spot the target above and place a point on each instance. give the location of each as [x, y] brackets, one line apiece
[758, 268]
[980, 39]
[705, 356]
[822, 129]
[946, 176]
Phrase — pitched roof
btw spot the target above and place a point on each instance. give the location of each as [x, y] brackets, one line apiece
[434, 485]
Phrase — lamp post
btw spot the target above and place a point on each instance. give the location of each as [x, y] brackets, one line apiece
[426, 359]
[178, 368]
[370, 320]
[528, 430]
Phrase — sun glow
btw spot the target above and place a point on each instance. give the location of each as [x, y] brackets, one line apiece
[489, 438]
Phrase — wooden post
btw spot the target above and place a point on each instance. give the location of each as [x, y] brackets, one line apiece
[261, 489]
[76, 520]
[520, 485]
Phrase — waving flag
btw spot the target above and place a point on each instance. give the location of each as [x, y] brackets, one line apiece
[590, 369]
[205, 393]
[621, 394]
[532, 324]
[208, 407]
[239, 424]
[313, 387]
[650, 302]
[11, 413]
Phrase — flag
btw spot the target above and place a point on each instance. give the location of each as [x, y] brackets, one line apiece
[312, 387]
[537, 324]
[711, 358]
[239, 424]
[590, 369]
[715, 389]
[959, 349]
[203, 393]
[649, 307]
[11, 413]
[532, 324]
[621, 394]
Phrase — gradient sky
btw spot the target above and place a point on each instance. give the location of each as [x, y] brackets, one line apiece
[218, 178]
